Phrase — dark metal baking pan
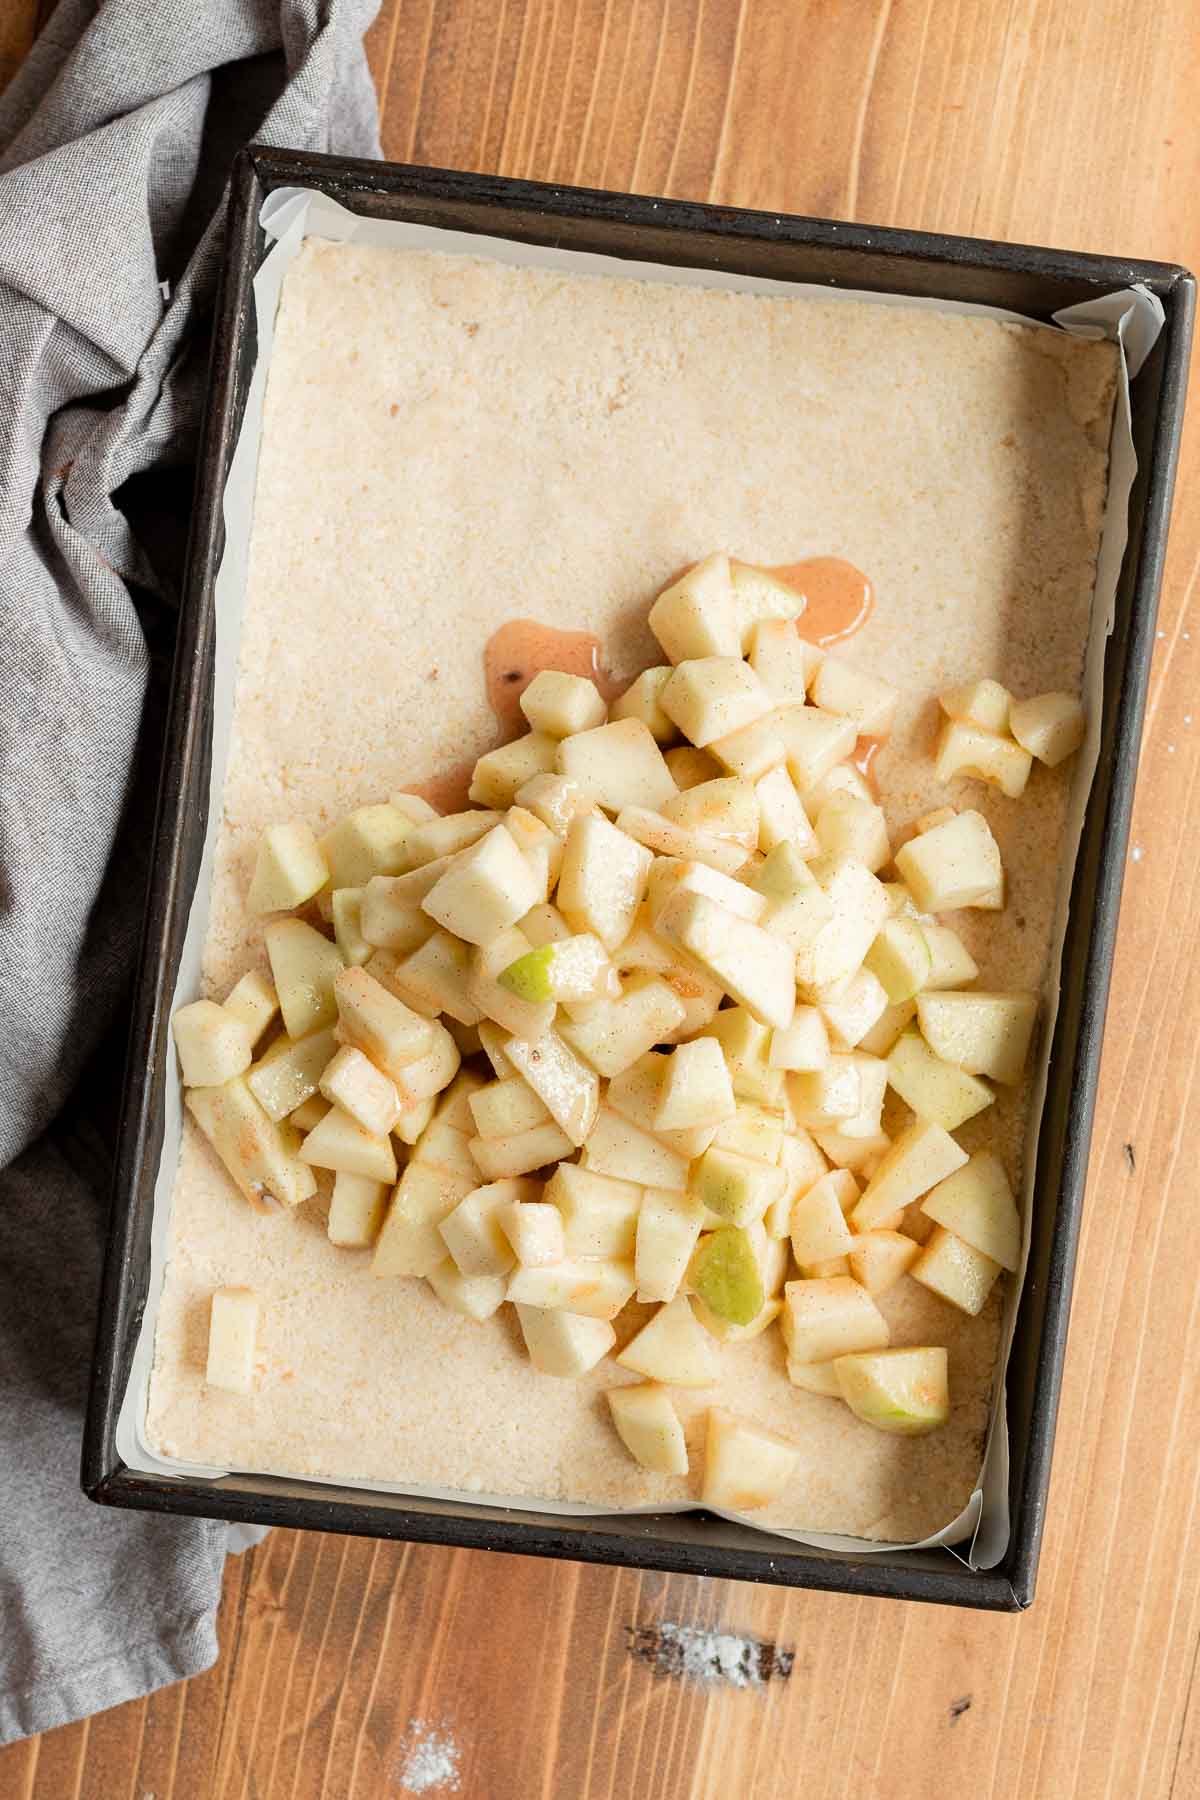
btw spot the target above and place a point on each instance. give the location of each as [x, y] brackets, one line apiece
[1033, 281]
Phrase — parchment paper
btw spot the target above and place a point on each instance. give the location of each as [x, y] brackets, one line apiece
[1132, 317]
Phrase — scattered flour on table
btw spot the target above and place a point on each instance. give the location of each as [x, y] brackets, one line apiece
[710, 1657]
[431, 1759]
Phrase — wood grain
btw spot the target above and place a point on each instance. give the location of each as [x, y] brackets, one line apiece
[1071, 123]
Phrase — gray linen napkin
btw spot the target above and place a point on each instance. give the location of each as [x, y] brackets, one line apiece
[115, 141]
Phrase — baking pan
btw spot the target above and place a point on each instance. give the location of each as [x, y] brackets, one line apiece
[1033, 281]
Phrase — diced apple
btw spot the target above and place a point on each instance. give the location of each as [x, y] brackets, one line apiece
[670, 875]
[439, 839]
[934, 1089]
[253, 1148]
[842, 687]
[976, 1204]
[955, 1271]
[501, 1158]
[727, 1333]
[726, 1272]
[755, 749]
[901, 1391]
[746, 1046]
[803, 1046]
[304, 966]
[232, 1335]
[941, 815]
[879, 1258]
[562, 1343]
[745, 1466]
[673, 1348]
[599, 1214]
[855, 1011]
[882, 1036]
[500, 773]
[617, 1147]
[589, 1285]
[815, 740]
[308, 1114]
[1050, 726]
[413, 1121]
[708, 697]
[648, 1426]
[430, 1073]
[435, 978]
[844, 781]
[665, 838]
[636, 1094]
[826, 1096]
[725, 807]
[848, 826]
[620, 764]
[567, 1087]
[486, 888]
[340, 1143]
[356, 1211]
[492, 1039]
[558, 704]
[782, 874]
[956, 864]
[372, 840]
[899, 959]
[690, 767]
[254, 1002]
[387, 1031]
[801, 1163]
[213, 1045]
[966, 750]
[618, 1032]
[783, 661]
[544, 925]
[534, 1228]
[984, 1033]
[754, 1130]
[668, 1229]
[554, 800]
[760, 597]
[477, 1297]
[696, 1088]
[641, 700]
[951, 964]
[832, 1317]
[391, 916]
[814, 1378]
[502, 1108]
[346, 905]
[474, 1232]
[738, 1189]
[541, 847]
[858, 1155]
[410, 1242]
[288, 870]
[350, 1080]
[697, 616]
[603, 879]
[753, 967]
[413, 807]
[781, 815]
[858, 908]
[920, 1157]
[818, 1224]
[983, 703]
[572, 969]
[524, 1018]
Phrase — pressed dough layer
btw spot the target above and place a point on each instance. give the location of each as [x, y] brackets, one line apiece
[450, 443]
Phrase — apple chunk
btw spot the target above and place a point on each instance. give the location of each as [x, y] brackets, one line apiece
[755, 968]
[727, 1275]
[673, 1348]
[619, 764]
[745, 1466]
[567, 1087]
[976, 1203]
[697, 616]
[535, 1231]
[340, 1143]
[954, 1270]
[984, 703]
[476, 1297]
[564, 1344]
[617, 1032]
[500, 774]
[920, 1157]
[934, 1089]
[599, 1213]
[485, 889]
[648, 1426]
[984, 1033]
[737, 1188]
[1050, 726]
[955, 864]
[603, 879]
[380, 1025]
[696, 1089]
[559, 704]
[870, 702]
[356, 1211]
[570, 970]
[641, 701]
[253, 1148]
[711, 696]
[304, 967]
[213, 1045]
[580, 1284]
[964, 749]
[906, 1392]
[350, 1080]
[232, 1332]
[289, 869]
[828, 1318]
[668, 1229]
[879, 1258]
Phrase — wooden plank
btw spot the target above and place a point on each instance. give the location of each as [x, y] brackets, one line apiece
[349, 1668]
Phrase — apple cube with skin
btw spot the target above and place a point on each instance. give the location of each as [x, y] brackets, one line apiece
[350, 1080]
[696, 1088]
[966, 750]
[783, 661]
[603, 879]
[983, 703]
[620, 764]
[709, 697]
[815, 740]
[841, 687]
[567, 1087]
[920, 1157]
[253, 1148]
[409, 1242]
[439, 839]
[858, 908]
[665, 838]
[501, 1108]
[976, 1204]
[486, 888]
[1050, 726]
[832, 1317]
[502, 1158]
[818, 1224]
[955, 864]
[381, 1026]
[599, 1214]
[754, 968]
[668, 1229]
[951, 964]
[558, 704]
[755, 749]
[745, 1466]
[727, 1333]
[391, 916]
[855, 1011]
[642, 700]
[905, 1392]
[726, 807]
[476, 1297]
[955, 1271]
[253, 1001]
[564, 1344]
[803, 1046]
[899, 959]
[648, 1426]
[474, 1232]
[534, 1228]
[435, 978]
[232, 1336]
[572, 969]
[696, 616]
[288, 870]
[340, 1143]
[213, 1045]
[726, 1272]
[356, 1211]
[879, 1258]
[673, 1348]
[619, 1148]
[984, 1033]
[523, 1018]
[736, 1188]
[596, 1288]
[934, 1089]
[618, 1032]
[500, 773]
[814, 1378]
[781, 815]
[826, 1096]
[304, 967]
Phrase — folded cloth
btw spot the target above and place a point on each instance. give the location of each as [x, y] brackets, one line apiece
[115, 141]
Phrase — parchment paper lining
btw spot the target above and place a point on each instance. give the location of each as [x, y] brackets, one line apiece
[1133, 317]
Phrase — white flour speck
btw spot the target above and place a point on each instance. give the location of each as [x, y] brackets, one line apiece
[709, 1656]
[430, 1762]
[1170, 749]
[1187, 718]
[1137, 853]
[1161, 634]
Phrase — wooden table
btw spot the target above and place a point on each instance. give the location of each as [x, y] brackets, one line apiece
[346, 1664]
